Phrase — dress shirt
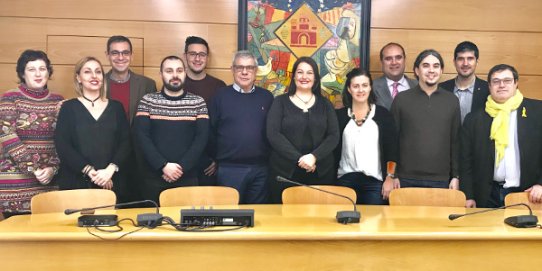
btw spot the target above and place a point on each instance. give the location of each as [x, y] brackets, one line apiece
[508, 169]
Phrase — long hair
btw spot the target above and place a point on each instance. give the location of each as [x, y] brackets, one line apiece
[78, 86]
[316, 88]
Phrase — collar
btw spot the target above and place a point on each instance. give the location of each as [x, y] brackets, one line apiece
[172, 98]
[402, 81]
[470, 88]
[120, 81]
[238, 89]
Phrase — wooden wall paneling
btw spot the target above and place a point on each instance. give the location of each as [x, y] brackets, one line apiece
[479, 15]
[521, 50]
[19, 35]
[70, 49]
[8, 77]
[132, 10]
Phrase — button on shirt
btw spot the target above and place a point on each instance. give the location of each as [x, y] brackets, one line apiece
[465, 99]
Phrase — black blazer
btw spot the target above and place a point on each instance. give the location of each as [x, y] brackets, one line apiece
[388, 138]
[478, 151]
[481, 91]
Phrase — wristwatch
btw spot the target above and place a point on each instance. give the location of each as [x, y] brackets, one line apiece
[392, 175]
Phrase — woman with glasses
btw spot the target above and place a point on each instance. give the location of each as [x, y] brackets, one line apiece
[92, 136]
[303, 132]
[368, 148]
[27, 118]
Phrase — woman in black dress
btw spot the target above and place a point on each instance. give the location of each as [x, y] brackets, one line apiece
[303, 132]
[92, 134]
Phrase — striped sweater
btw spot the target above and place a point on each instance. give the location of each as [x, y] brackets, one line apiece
[28, 120]
[172, 129]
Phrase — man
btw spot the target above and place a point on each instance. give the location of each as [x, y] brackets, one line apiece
[238, 119]
[126, 87]
[196, 53]
[428, 122]
[394, 80]
[172, 131]
[471, 91]
[501, 147]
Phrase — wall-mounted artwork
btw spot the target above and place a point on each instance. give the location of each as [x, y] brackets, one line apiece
[335, 33]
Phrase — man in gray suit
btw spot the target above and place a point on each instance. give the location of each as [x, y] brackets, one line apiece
[128, 88]
[392, 57]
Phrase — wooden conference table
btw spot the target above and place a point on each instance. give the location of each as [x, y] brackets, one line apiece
[285, 237]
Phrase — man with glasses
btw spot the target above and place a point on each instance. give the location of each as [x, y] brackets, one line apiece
[238, 140]
[128, 88]
[471, 91]
[196, 53]
[501, 146]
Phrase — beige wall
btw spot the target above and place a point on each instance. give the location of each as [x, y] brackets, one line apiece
[70, 29]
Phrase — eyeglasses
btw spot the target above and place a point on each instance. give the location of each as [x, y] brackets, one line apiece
[117, 53]
[195, 54]
[241, 68]
[506, 81]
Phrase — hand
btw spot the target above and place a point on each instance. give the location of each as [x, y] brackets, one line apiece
[454, 184]
[535, 193]
[45, 175]
[211, 169]
[172, 172]
[396, 183]
[387, 187]
[307, 162]
[470, 203]
[108, 185]
[102, 176]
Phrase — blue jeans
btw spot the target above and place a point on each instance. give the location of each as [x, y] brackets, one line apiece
[249, 180]
[368, 189]
[423, 183]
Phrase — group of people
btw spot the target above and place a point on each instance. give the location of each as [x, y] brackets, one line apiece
[121, 134]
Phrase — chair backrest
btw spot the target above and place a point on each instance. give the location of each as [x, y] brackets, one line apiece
[58, 201]
[305, 195]
[417, 196]
[521, 197]
[199, 196]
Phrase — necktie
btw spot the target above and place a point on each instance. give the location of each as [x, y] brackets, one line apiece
[394, 91]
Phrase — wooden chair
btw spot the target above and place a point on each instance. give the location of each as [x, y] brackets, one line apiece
[58, 201]
[427, 197]
[305, 195]
[199, 196]
[521, 197]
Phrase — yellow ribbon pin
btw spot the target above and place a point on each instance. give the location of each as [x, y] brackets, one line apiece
[524, 113]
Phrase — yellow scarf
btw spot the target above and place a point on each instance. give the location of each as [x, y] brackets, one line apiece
[501, 117]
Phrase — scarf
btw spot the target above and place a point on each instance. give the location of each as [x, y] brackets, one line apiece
[501, 117]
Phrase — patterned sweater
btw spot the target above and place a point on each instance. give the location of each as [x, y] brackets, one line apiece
[172, 129]
[28, 120]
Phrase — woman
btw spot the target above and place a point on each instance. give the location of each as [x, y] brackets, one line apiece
[368, 149]
[302, 130]
[28, 119]
[92, 135]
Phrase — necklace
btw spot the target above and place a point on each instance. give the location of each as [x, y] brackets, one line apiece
[305, 102]
[91, 101]
[361, 121]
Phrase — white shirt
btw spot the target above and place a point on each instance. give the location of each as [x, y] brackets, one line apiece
[361, 149]
[508, 169]
[403, 85]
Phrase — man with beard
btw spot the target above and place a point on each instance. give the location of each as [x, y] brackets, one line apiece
[196, 53]
[394, 80]
[172, 129]
[471, 91]
[428, 122]
[128, 88]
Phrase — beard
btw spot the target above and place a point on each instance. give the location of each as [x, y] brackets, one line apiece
[173, 88]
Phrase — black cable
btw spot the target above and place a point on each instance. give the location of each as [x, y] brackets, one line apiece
[117, 225]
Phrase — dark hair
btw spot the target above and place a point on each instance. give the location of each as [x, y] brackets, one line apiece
[347, 97]
[170, 58]
[466, 46]
[32, 55]
[115, 39]
[388, 45]
[502, 67]
[194, 40]
[423, 55]
[316, 88]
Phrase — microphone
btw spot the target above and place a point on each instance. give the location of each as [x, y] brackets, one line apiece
[150, 220]
[520, 221]
[343, 217]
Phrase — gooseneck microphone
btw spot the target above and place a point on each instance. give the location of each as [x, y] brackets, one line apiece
[343, 217]
[520, 221]
[89, 209]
